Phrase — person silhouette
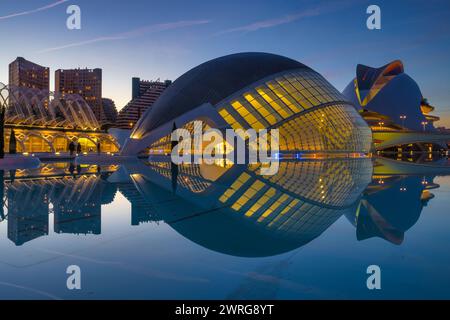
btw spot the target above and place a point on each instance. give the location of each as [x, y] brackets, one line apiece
[71, 148]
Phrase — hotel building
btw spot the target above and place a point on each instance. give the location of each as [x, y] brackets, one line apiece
[86, 83]
[109, 110]
[26, 74]
[144, 95]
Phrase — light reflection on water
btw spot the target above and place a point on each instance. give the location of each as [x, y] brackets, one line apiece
[151, 230]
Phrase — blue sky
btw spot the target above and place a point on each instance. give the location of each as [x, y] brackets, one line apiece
[164, 39]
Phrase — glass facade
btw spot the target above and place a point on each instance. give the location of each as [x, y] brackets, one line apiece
[309, 112]
[332, 128]
[189, 176]
[279, 202]
[311, 115]
[47, 141]
[164, 144]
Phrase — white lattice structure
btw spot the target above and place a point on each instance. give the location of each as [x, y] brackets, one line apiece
[27, 106]
[44, 122]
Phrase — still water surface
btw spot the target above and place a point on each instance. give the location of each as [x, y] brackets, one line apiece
[147, 230]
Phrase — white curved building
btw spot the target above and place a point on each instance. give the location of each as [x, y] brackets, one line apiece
[392, 104]
[256, 91]
[44, 122]
[29, 106]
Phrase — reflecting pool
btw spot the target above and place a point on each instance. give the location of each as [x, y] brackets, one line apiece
[152, 230]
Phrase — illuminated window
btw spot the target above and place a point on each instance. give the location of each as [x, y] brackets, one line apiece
[235, 187]
[261, 109]
[281, 200]
[261, 201]
[248, 117]
[267, 95]
[289, 207]
[230, 119]
[250, 193]
[284, 96]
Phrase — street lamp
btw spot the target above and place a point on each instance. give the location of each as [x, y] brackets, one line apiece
[424, 123]
[403, 118]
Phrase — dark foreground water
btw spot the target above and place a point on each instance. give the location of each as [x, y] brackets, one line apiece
[152, 231]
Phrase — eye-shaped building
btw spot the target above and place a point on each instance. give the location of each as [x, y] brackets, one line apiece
[258, 91]
[236, 211]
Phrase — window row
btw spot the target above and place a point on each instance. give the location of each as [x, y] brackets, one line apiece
[279, 99]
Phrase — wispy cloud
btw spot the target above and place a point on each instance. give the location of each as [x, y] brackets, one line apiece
[270, 23]
[131, 34]
[289, 18]
[24, 13]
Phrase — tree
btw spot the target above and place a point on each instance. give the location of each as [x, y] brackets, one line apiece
[2, 123]
[2, 133]
[425, 102]
[12, 143]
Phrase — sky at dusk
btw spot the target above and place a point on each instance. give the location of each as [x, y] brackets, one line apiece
[163, 39]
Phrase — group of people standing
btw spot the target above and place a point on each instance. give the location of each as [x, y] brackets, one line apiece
[77, 147]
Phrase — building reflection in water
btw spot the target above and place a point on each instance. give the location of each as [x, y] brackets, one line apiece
[391, 205]
[74, 199]
[28, 209]
[236, 211]
[228, 209]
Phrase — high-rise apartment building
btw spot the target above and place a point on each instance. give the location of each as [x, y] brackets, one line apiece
[27, 74]
[144, 94]
[85, 82]
[109, 110]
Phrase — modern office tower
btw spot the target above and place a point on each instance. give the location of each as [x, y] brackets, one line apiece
[109, 110]
[144, 94]
[26, 74]
[84, 82]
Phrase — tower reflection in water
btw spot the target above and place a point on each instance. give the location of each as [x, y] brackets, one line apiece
[228, 209]
[73, 196]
